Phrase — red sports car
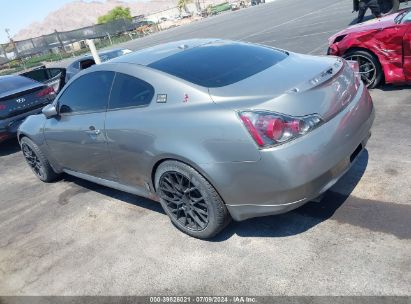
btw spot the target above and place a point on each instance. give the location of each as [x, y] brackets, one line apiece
[382, 48]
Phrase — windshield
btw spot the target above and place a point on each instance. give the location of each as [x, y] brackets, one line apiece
[403, 17]
[219, 64]
[110, 55]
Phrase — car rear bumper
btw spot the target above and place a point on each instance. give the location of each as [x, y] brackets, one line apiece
[290, 175]
[316, 186]
[9, 126]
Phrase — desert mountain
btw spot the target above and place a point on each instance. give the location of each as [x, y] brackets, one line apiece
[78, 14]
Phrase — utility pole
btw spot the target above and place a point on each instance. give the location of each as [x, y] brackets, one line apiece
[8, 33]
[7, 30]
[60, 42]
[109, 38]
[93, 50]
[3, 52]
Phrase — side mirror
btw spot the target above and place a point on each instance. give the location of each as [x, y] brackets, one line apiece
[50, 110]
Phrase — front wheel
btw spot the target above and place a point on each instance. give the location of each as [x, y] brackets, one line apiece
[191, 202]
[370, 68]
[37, 161]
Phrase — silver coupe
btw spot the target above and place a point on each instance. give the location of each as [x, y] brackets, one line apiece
[212, 129]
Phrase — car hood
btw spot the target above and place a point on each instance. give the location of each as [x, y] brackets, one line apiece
[370, 25]
[299, 85]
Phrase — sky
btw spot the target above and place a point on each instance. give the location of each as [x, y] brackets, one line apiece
[17, 14]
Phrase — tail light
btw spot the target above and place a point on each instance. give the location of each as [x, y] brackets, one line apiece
[2, 107]
[271, 129]
[3, 136]
[45, 92]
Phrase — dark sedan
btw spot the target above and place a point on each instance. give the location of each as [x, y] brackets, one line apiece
[87, 61]
[19, 98]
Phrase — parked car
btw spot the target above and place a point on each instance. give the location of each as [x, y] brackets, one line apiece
[87, 61]
[235, 5]
[19, 98]
[212, 129]
[381, 47]
[185, 15]
[53, 77]
[257, 2]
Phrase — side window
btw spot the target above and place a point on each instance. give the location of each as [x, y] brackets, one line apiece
[129, 91]
[88, 93]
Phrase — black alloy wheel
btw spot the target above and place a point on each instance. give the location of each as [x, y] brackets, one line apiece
[389, 6]
[37, 161]
[184, 201]
[33, 161]
[191, 202]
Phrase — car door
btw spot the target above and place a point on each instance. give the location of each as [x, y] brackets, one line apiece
[76, 136]
[128, 143]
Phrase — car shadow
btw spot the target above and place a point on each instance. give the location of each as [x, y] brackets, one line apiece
[283, 225]
[394, 87]
[116, 194]
[10, 146]
[366, 18]
[303, 218]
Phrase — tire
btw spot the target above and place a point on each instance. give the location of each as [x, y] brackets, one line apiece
[200, 213]
[37, 161]
[389, 6]
[365, 60]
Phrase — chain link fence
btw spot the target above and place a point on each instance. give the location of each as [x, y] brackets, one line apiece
[59, 44]
[16, 56]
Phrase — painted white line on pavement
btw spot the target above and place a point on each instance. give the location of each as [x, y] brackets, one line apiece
[292, 20]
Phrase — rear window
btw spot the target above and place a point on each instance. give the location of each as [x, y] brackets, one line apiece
[219, 64]
[39, 75]
[12, 83]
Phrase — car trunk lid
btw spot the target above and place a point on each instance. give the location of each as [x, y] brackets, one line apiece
[23, 99]
[297, 86]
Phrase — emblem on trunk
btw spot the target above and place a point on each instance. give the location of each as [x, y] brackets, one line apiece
[20, 100]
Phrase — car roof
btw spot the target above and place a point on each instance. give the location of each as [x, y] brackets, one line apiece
[158, 52]
[205, 62]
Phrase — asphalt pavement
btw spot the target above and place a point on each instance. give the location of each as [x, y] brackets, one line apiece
[73, 237]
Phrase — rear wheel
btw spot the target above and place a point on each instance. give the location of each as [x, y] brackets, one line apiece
[37, 161]
[370, 68]
[191, 202]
